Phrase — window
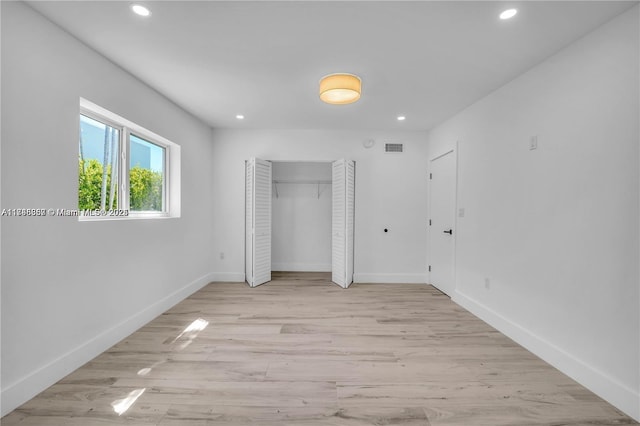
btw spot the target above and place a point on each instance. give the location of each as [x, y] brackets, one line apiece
[98, 165]
[146, 175]
[124, 170]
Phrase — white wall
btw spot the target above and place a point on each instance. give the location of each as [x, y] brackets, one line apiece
[69, 289]
[556, 229]
[301, 217]
[390, 193]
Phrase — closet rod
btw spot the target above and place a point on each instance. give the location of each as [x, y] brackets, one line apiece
[295, 181]
[312, 182]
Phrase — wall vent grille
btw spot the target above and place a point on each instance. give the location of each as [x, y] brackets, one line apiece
[393, 147]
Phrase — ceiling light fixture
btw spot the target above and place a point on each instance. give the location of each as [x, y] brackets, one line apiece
[138, 9]
[401, 118]
[508, 14]
[340, 89]
[240, 117]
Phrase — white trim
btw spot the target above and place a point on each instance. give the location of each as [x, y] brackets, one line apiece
[235, 277]
[131, 216]
[301, 267]
[19, 392]
[124, 181]
[121, 121]
[171, 184]
[600, 383]
[390, 278]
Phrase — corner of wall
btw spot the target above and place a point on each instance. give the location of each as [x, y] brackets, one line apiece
[17, 393]
[607, 387]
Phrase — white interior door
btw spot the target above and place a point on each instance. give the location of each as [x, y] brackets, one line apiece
[258, 222]
[342, 222]
[442, 207]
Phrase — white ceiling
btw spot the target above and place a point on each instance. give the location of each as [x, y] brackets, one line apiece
[424, 59]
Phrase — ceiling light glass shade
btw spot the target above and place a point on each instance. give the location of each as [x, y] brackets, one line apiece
[340, 89]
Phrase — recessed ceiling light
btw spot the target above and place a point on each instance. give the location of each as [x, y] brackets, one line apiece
[240, 117]
[508, 14]
[138, 9]
[401, 118]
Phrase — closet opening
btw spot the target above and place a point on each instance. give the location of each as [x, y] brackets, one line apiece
[299, 217]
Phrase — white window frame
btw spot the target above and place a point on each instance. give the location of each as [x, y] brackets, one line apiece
[171, 184]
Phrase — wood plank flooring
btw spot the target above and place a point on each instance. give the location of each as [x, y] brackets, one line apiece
[302, 351]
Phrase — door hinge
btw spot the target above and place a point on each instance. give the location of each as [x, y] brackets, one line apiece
[429, 268]
[429, 222]
[430, 175]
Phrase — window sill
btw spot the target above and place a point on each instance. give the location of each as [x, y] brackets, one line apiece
[134, 216]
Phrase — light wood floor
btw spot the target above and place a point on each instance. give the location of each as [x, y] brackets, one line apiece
[302, 351]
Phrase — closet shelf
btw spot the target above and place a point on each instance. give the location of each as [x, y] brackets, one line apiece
[300, 181]
[314, 182]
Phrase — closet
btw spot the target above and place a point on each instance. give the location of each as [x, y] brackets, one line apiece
[299, 216]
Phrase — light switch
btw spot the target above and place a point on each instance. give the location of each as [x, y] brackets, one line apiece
[533, 143]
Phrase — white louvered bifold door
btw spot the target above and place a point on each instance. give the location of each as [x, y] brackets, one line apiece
[338, 242]
[262, 223]
[258, 256]
[343, 189]
[350, 194]
[248, 224]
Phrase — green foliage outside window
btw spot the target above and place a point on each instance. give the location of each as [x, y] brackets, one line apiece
[145, 187]
[90, 185]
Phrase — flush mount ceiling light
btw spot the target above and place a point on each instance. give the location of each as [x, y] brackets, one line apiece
[340, 89]
[240, 117]
[138, 9]
[401, 118]
[508, 14]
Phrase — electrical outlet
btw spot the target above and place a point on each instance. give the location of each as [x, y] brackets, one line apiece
[461, 212]
[221, 255]
[487, 283]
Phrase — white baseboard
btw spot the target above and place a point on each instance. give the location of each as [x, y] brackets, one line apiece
[19, 392]
[603, 385]
[390, 278]
[301, 267]
[235, 277]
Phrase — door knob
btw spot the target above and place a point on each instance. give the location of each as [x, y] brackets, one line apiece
[450, 232]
